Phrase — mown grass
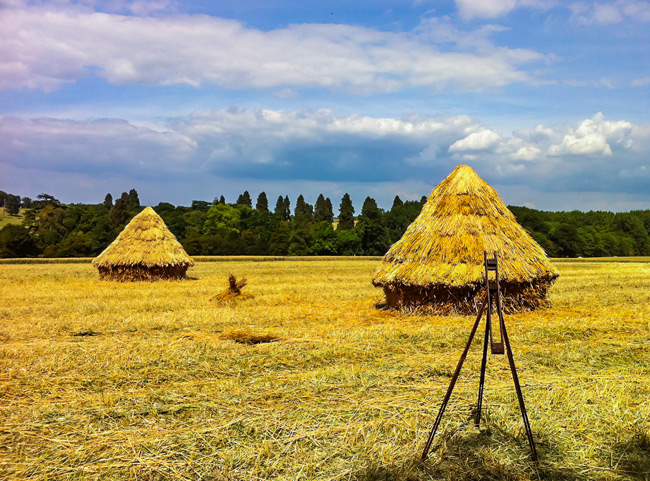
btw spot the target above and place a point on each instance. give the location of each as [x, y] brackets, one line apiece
[101, 380]
[6, 219]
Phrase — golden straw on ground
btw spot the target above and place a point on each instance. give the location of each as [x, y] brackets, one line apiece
[437, 265]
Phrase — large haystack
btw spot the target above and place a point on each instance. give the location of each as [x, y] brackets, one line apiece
[145, 250]
[437, 266]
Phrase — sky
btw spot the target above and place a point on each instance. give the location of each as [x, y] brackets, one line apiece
[190, 100]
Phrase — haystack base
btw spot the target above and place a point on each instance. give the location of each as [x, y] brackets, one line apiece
[142, 273]
[466, 300]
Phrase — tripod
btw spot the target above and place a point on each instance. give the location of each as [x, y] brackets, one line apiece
[492, 292]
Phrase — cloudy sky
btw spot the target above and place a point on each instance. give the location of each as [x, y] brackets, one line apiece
[185, 99]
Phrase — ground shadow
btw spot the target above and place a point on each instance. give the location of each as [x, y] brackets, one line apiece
[462, 458]
[633, 457]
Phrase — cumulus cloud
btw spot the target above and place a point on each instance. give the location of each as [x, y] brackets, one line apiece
[469, 9]
[482, 140]
[594, 136]
[609, 12]
[43, 47]
[274, 146]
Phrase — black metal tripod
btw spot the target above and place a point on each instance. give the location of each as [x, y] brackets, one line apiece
[492, 291]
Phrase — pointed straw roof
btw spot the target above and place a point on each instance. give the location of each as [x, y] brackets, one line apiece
[444, 246]
[146, 242]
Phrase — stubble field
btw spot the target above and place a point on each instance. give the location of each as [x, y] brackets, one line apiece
[102, 380]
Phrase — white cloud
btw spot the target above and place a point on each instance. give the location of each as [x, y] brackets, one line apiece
[481, 140]
[236, 146]
[593, 136]
[43, 47]
[610, 12]
[470, 9]
[529, 152]
[640, 82]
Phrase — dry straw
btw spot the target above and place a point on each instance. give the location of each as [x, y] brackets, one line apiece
[145, 250]
[437, 266]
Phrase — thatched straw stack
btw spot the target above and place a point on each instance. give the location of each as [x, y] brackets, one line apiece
[437, 266]
[145, 250]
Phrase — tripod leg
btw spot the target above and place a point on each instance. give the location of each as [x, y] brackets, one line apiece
[443, 406]
[520, 396]
[479, 404]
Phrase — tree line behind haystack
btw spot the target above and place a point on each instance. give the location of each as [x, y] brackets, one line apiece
[52, 229]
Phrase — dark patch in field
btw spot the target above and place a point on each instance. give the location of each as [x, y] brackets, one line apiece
[85, 332]
[244, 337]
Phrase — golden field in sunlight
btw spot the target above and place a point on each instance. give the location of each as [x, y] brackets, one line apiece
[105, 380]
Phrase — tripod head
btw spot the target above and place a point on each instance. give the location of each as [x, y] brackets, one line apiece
[493, 291]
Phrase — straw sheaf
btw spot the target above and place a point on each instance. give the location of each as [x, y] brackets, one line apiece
[462, 218]
[145, 241]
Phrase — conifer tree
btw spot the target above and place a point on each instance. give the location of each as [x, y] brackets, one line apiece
[303, 210]
[373, 233]
[320, 210]
[245, 199]
[346, 214]
[287, 208]
[397, 202]
[133, 201]
[262, 203]
[108, 201]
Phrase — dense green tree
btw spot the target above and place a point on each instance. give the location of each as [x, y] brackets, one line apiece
[245, 199]
[26, 203]
[346, 214]
[108, 201]
[279, 240]
[325, 241]
[119, 214]
[323, 210]
[201, 205]
[3, 197]
[12, 204]
[372, 232]
[222, 216]
[397, 202]
[301, 238]
[262, 203]
[400, 217]
[349, 243]
[15, 241]
[133, 201]
[303, 210]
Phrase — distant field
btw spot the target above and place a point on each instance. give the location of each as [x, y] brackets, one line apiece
[102, 380]
[10, 219]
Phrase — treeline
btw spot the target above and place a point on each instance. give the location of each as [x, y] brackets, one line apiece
[50, 228]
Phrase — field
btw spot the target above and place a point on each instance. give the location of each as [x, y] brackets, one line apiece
[6, 219]
[102, 380]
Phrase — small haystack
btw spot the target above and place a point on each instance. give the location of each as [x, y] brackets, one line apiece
[145, 250]
[234, 291]
[437, 266]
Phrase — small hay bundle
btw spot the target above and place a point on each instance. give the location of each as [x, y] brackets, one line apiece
[145, 250]
[234, 291]
[437, 265]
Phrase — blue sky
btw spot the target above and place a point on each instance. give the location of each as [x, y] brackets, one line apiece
[185, 100]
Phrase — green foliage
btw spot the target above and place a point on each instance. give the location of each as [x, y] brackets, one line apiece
[108, 201]
[204, 228]
[15, 241]
[346, 214]
[245, 199]
[373, 233]
[12, 204]
[323, 210]
[262, 203]
[325, 241]
[221, 217]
